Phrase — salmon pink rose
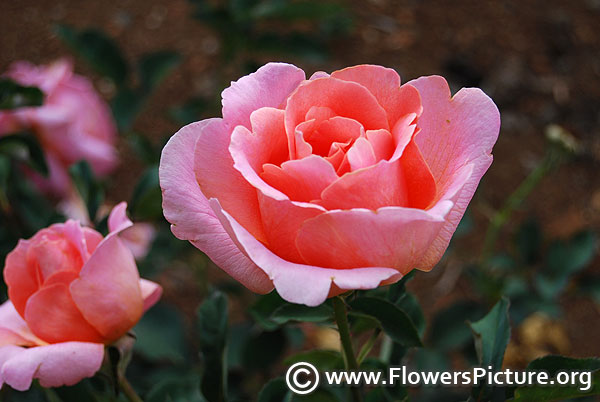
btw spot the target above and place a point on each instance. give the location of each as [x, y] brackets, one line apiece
[71, 292]
[73, 123]
[343, 181]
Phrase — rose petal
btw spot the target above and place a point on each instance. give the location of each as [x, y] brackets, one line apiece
[282, 219]
[92, 239]
[455, 132]
[389, 237]
[345, 98]
[420, 184]
[107, 291]
[382, 143]
[73, 231]
[361, 154]
[191, 218]
[269, 86]
[13, 329]
[376, 186]
[54, 365]
[117, 219]
[290, 278]
[402, 133]
[249, 154]
[217, 177]
[335, 130]
[151, 293]
[52, 315]
[300, 179]
[50, 255]
[384, 84]
[20, 278]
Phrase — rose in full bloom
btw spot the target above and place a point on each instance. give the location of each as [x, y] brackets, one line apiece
[71, 293]
[343, 181]
[73, 123]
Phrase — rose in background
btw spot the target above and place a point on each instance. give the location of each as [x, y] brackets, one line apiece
[73, 123]
[71, 292]
[343, 181]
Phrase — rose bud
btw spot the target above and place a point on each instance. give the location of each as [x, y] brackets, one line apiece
[73, 123]
[343, 181]
[71, 293]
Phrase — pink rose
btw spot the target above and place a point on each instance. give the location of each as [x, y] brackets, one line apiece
[74, 123]
[344, 181]
[71, 292]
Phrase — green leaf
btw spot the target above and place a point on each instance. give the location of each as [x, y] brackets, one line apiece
[89, 188]
[154, 67]
[264, 307]
[563, 260]
[552, 365]
[321, 359]
[573, 255]
[410, 305]
[13, 95]
[275, 390]
[176, 389]
[397, 290]
[394, 322]
[100, 51]
[160, 335]
[491, 335]
[213, 328]
[298, 312]
[146, 201]
[449, 329]
[26, 148]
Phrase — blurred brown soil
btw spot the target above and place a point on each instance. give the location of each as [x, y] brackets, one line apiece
[539, 60]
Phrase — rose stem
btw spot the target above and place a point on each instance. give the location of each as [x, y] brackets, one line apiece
[128, 390]
[341, 318]
[364, 351]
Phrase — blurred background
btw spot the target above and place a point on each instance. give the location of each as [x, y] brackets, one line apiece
[529, 234]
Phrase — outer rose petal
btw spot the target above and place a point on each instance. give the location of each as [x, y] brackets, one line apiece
[191, 218]
[290, 279]
[217, 177]
[52, 316]
[118, 220]
[151, 293]
[454, 132]
[391, 237]
[12, 324]
[107, 291]
[54, 365]
[269, 86]
[19, 276]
